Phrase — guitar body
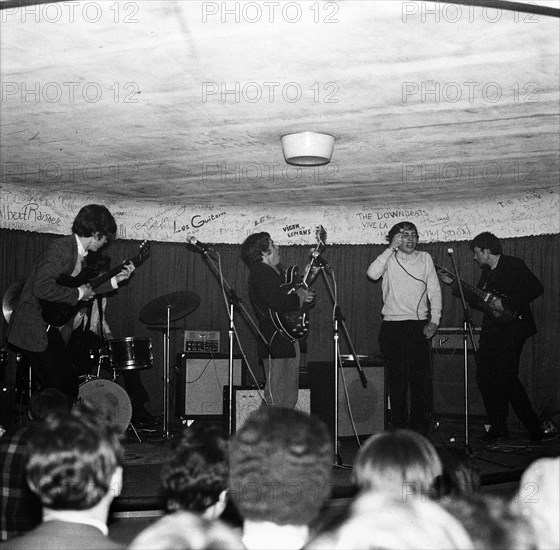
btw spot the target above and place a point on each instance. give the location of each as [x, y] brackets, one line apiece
[293, 324]
[58, 314]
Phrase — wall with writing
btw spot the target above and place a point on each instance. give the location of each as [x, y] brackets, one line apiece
[535, 212]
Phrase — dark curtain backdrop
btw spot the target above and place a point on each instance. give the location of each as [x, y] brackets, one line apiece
[174, 267]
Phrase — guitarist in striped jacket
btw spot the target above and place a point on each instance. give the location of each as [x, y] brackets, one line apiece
[281, 356]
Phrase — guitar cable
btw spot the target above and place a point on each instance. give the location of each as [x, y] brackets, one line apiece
[416, 279]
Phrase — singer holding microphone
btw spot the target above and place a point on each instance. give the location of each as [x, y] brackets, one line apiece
[411, 314]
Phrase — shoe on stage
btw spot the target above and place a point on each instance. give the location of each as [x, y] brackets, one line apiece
[494, 435]
[141, 417]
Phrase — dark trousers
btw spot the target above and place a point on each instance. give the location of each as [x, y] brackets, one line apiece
[407, 360]
[53, 368]
[497, 378]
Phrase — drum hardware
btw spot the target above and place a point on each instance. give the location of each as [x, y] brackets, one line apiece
[162, 311]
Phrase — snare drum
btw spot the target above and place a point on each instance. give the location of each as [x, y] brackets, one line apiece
[130, 353]
[110, 398]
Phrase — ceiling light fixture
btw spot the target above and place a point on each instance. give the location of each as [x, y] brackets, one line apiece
[307, 148]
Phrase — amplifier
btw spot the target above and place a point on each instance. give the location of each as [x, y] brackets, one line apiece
[452, 338]
[205, 341]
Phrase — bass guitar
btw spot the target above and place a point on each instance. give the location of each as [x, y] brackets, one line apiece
[58, 314]
[483, 298]
[295, 324]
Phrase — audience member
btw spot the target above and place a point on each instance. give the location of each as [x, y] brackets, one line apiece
[402, 462]
[186, 531]
[538, 499]
[280, 476]
[384, 521]
[74, 467]
[491, 524]
[195, 477]
[461, 474]
[20, 509]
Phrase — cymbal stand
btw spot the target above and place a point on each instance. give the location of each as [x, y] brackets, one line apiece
[338, 318]
[166, 348]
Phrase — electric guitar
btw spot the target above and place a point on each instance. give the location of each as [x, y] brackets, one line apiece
[295, 324]
[483, 298]
[58, 314]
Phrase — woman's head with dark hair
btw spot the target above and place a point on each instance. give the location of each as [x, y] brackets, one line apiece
[197, 471]
[253, 247]
[95, 219]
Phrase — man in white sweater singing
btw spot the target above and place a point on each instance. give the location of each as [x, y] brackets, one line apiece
[411, 313]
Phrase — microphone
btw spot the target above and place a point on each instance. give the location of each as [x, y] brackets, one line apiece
[450, 251]
[201, 247]
[318, 259]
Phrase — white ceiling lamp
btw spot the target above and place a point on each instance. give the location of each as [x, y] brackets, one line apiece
[307, 148]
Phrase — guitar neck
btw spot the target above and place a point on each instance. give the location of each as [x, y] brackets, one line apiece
[104, 277]
[472, 289]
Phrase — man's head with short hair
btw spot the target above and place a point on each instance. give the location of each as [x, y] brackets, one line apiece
[403, 461]
[280, 467]
[72, 460]
[487, 241]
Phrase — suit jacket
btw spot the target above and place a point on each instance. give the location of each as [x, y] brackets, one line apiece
[515, 280]
[27, 330]
[265, 294]
[62, 535]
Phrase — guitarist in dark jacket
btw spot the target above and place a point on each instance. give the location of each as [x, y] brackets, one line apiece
[281, 356]
[507, 323]
[46, 345]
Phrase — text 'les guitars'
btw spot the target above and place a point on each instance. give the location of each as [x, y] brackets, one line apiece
[295, 324]
[484, 298]
[58, 314]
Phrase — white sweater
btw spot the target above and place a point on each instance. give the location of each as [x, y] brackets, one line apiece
[404, 297]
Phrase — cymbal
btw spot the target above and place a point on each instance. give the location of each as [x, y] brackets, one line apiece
[179, 304]
[11, 297]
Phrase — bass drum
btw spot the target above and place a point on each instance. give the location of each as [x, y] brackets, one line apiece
[108, 397]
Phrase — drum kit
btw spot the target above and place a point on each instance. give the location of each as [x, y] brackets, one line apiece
[127, 354]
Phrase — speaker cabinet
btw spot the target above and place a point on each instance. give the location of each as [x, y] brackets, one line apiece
[448, 384]
[200, 380]
[368, 405]
[249, 399]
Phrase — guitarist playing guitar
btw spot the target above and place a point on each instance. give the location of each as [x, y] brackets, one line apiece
[505, 290]
[46, 345]
[279, 353]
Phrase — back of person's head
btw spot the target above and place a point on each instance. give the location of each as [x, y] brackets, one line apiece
[46, 402]
[197, 471]
[280, 467]
[491, 524]
[401, 226]
[487, 240]
[538, 499]
[403, 462]
[253, 247]
[92, 219]
[72, 459]
[186, 531]
[382, 521]
[461, 474]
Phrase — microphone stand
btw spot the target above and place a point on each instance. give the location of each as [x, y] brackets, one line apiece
[337, 363]
[233, 300]
[467, 331]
